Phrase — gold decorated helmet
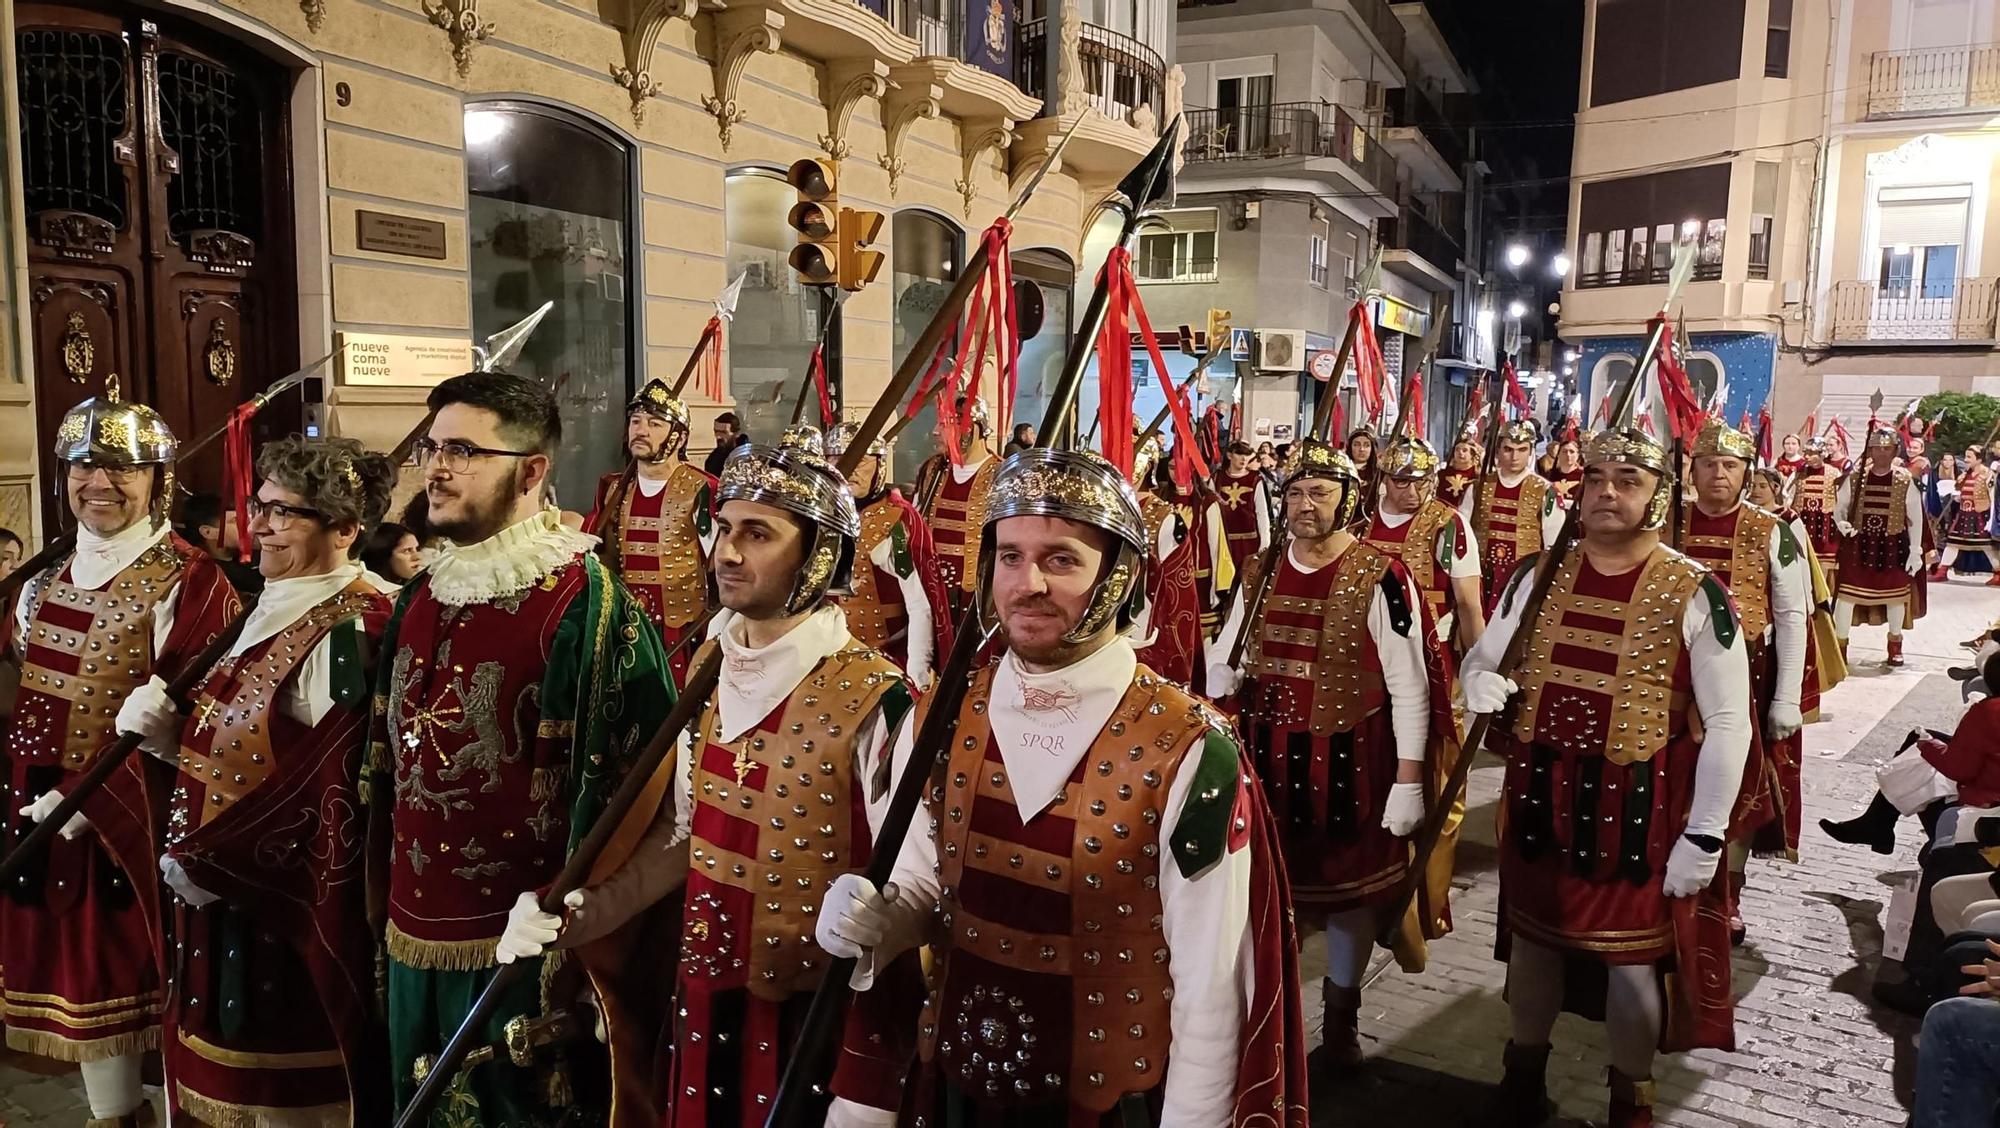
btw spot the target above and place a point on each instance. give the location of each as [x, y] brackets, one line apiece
[1313, 458]
[1521, 431]
[1633, 447]
[842, 435]
[795, 478]
[1409, 457]
[107, 430]
[1146, 454]
[1882, 437]
[1717, 437]
[805, 439]
[658, 400]
[1080, 486]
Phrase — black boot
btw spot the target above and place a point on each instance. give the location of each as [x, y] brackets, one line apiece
[1874, 828]
[1342, 1009]
[1524, 1088]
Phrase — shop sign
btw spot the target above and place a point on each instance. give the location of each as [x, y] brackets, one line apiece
[394, 360]
[399, 235]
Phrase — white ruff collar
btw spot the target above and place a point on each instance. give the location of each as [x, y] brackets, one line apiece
[506, 563]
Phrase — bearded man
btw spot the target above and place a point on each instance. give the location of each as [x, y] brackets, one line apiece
[1338, 688]
[952, 487]
[270, 1012]
[522, 681]
[1513, 514]
[654, 520]
[1097, 876]
[1614, 810]
[131, 600]
[802, 705]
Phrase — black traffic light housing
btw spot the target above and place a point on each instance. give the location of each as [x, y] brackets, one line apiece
[815, 217]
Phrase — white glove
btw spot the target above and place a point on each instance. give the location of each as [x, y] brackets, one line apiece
[149, 713]
[45, 806]
[843, 1113]
[1405, 812]
[920, 680]
[177, 879]
[1223, 681]
[1914, 562]
[853, 917]
[1785, 719]
[529, 930]
[1846, 530]
[1486, 691]
[1690, 868]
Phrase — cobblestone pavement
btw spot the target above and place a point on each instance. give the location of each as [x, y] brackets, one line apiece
[1811, 1048]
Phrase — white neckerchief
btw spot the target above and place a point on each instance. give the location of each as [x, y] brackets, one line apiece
[98, 559]
[963, 472]
[284, 602]
[1292, 554]
[506, 563]
[651, 487]
[1045, 723]
[1517, 479]
[1394, 520]
[755, 680]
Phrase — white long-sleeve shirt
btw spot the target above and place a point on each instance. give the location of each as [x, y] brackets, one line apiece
[1404, 672]
[1552, 514]
[1721, 677]
[1204, 918]
[1913, 508]
[1791, 614]
[922, 637]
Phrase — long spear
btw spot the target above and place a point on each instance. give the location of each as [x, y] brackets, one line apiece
[701, 682]
[1551, 562]
[59, 545]
[500, 350]
[1150, 181]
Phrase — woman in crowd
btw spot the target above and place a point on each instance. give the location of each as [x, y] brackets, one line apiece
[393, 556]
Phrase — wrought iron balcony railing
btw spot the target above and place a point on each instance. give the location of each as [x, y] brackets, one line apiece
[1915, 310]
[1288, 129]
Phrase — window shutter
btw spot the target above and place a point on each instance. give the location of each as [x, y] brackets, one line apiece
[1927, 223]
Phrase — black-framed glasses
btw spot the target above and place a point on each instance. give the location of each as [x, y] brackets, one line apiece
[456, 457]
[278, 515]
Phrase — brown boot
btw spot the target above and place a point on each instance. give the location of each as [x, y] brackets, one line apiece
[1343, 1019]
[1524, 1088]
[1631, 1102]
[1895, 650]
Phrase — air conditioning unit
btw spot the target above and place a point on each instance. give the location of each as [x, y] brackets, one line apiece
[1375, 98]
[1281, 350]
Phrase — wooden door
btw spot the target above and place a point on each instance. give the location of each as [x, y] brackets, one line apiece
[156, 173]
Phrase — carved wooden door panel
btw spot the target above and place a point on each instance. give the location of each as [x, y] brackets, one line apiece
[156, 173]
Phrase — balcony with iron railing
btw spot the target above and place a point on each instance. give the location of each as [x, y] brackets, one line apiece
[1120, 74]
[1415, 128]
[1411, 236]
[1292, 132]
[1934, 80]
[1912, 311]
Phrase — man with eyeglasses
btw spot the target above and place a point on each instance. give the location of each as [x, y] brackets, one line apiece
[521, 681]
[269, 956]
[131, 600]
[1338, 692]
[655, 522]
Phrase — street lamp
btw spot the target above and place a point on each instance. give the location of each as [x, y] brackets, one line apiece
[1517, 255]
[1516, 310]
[1560, 265]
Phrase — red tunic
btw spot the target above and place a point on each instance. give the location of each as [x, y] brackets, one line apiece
[270, 1004]
[1173, 597]
[1452, 485]
[1972, 758]
[1975, 502]
[1872, 574]
[1239, 499]
[654, 546]
[876, 613]
[77, 923]
[1813, 495]
[1565, 484]
[956, 512]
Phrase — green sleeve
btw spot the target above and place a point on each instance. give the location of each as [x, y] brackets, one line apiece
[605, 693]
[1201, 836]
[1788, 545]
[899, 551]
[349, 676]
[1721, 612]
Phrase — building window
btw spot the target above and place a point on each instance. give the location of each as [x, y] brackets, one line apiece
[1609, 376]
[1053, 276]
[1920, 236]
[1322, 238]
[549, 214]
[1183, 253]
[1778, 40]
[1763, 217]
[1628, 227]
[778, 318]
[926, 254]
[1646, 47]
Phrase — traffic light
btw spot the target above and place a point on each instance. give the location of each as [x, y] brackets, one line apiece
[858, 265]
[816, 219]
[1218, 326]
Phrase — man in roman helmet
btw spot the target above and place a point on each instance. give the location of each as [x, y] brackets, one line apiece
[1969, 522]
[1431, 539]
[131, 600]
[1095, 871]
[1613, 808]
[520, 681]
[654, 521]
[898, 605]
[1338, 688]
[1189, 569]
[270, 1005]
[1245, 504]
[1880, 515]
[1513, 513]
[1769, 574]
[952, 487]
[777, 798]
[1815, 493]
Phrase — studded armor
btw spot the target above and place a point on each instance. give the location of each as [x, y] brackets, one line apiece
[660, 557]
[1513, 523]
[1310, 666]
[957, 513]
[1737, 548]
[1415, 543]
[1052, 978]
[875, 612]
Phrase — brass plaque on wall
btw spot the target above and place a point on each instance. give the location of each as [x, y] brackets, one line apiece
[399, 235]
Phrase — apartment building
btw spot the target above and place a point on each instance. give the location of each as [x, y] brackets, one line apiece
[1318, 130]
[205, 194]
[1832, 160]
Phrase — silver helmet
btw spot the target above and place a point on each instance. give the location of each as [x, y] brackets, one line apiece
[794, 477]
[107, 430]
[1080, 486]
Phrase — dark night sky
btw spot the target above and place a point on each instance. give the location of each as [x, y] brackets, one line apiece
[1526, 56]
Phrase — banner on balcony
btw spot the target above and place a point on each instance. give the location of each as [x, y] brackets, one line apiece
[989, 36]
